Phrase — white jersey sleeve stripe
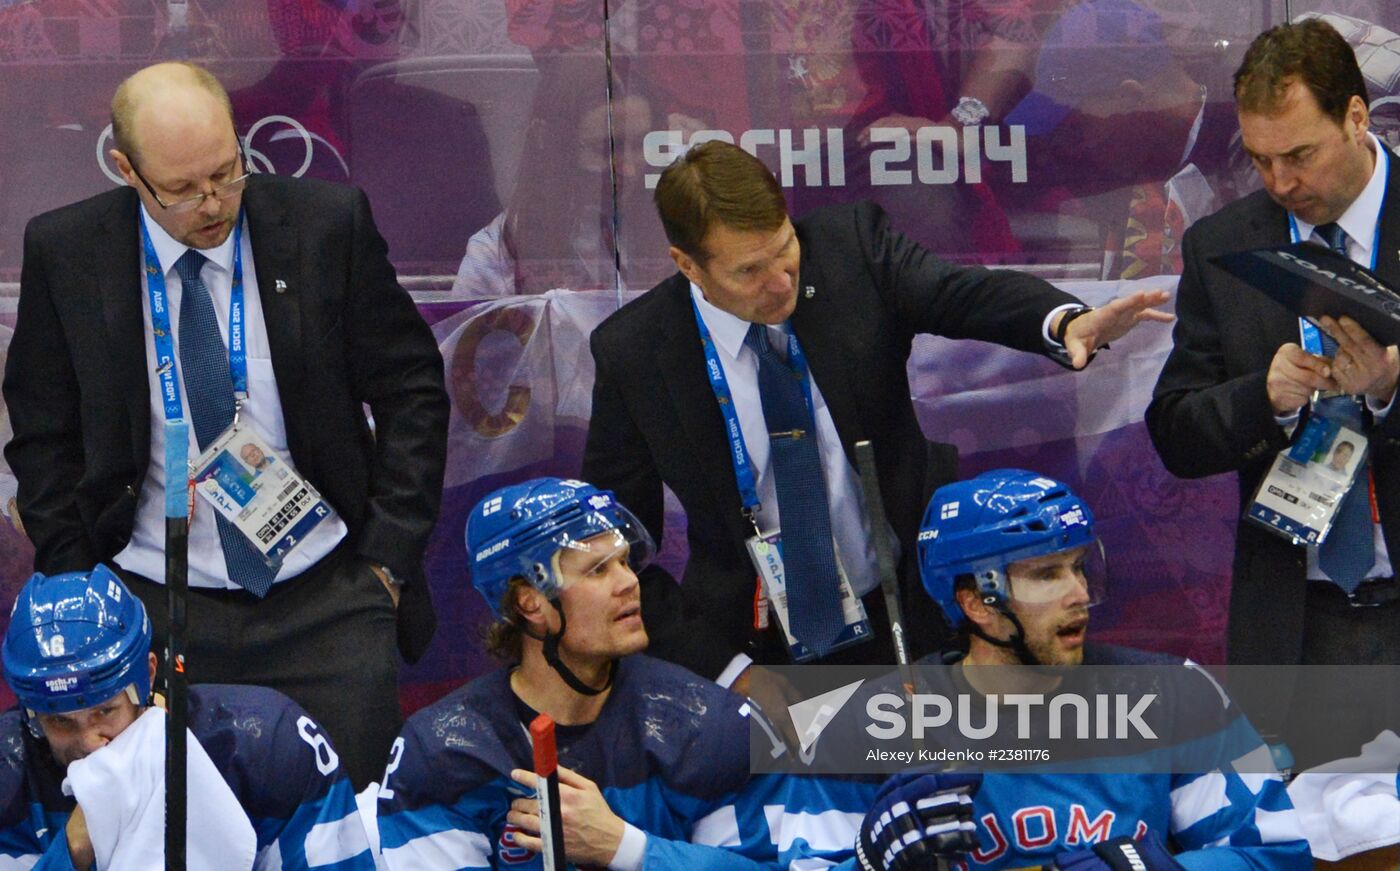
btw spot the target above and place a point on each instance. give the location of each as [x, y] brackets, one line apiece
[827, 831]
[337, 840]
[1198, 800]
[1278, 827]
[448, 849]
[719, 828]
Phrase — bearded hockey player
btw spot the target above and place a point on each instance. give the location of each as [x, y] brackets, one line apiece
[1012, 559]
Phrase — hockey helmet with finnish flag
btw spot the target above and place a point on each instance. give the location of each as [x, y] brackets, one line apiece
[980, 526]
[77, 640]
[520, 530]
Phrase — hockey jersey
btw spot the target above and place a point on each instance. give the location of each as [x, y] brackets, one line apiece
[669, 751]
[279, 764]
[1220, 819]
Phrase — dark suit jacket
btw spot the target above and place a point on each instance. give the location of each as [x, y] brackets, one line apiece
[1210, 412]
[342, 333]
[655, 420]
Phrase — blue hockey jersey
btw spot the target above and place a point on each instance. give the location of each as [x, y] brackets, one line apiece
[669, 751]
[1220, 819]
[279, 764]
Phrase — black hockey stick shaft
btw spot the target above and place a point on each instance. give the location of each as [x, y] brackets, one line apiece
[884, 549]
[177, 692]
[177, 705]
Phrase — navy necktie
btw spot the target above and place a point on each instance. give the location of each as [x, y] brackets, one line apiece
[209, 390]
[1349, 551]
[809, 560]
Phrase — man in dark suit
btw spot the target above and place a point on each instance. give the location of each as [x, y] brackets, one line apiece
[1241, 377]
[853, 293]
[326, 329]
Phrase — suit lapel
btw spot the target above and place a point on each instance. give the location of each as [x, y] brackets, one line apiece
[276, 249]
[1388, 250]
[831, 371]
[681, 362]
[1268, 227]
[117, 247]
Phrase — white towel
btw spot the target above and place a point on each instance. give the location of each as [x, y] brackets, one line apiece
[121, 789]
[1351, 806]
[367, 802]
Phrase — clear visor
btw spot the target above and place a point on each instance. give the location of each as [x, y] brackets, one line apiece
[581, 555]
[1073, 577]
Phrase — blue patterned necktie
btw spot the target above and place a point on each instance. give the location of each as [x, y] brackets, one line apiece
[1349, 551]
[209, 391]
[809, 560]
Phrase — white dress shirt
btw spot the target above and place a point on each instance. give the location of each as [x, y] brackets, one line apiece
[1359, 221]
[145, 553]
[849, 524]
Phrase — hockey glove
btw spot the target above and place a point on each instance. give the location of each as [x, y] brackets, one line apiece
[917, 817]
[1120, 854]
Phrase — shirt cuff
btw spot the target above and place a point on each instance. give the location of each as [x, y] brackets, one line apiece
[732, 671]
[1049, 321]
[1378, 411]
[1288, 422]
[631, 854]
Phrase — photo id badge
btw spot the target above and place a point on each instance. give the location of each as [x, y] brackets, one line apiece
[259, 492]
[766, 552]
[1299, 497]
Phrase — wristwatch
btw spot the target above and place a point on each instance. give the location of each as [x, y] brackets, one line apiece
[1068, 317]
[969, 111]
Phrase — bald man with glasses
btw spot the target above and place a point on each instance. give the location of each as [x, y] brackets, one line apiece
[253, 309]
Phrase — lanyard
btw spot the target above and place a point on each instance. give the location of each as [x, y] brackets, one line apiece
[179, 494]
[164, 338]
[1312, 337]
[738, 453]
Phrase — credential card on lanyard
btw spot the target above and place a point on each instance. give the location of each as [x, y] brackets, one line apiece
[767, 555]
[259, 492]
[1299, 497]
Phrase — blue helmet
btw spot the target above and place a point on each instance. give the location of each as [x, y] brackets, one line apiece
[76, 640]
[980, 526]
[517, 531]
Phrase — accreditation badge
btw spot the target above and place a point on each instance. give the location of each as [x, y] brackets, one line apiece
[256, 489]
[766, 552]
[1300, 496]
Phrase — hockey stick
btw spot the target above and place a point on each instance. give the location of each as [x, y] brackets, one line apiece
[884, 552]
[547, 790]
[177, 564]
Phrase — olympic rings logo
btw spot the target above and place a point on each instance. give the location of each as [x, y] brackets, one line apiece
[257, 160]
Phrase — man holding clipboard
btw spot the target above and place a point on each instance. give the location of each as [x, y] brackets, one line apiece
[1252, 388]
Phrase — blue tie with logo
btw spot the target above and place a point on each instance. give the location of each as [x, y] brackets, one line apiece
[1349, 551]
[809, 560]
[209, 390]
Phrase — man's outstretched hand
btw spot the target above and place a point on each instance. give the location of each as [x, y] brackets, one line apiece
[1109, 323]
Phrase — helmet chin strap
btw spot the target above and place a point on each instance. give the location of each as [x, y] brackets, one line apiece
[550, 640]
[1016, 643]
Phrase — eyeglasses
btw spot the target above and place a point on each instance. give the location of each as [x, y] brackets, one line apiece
[221, 192]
